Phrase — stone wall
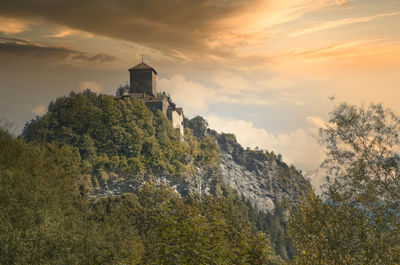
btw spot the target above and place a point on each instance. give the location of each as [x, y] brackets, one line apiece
[176, 118]
[143, 81]
[158, 104]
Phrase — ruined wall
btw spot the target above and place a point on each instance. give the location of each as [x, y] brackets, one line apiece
[158, 104]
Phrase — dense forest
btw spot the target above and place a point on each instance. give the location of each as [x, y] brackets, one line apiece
[121, 137]
[49, 173]
[50, 213]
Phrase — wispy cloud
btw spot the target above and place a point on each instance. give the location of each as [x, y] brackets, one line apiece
[341, 2]
[29, 51]
[68, 32]
[12, 26]
[99, 57]
[340, 23]
[190, 29]
[367, 50]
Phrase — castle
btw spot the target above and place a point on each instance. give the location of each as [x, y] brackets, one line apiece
[143, 85]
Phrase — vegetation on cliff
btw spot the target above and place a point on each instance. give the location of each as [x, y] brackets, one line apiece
[119, 136]
[48, 214]
[46, 217]
[54, 166]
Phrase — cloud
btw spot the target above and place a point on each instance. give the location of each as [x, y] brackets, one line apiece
[227, 88]
[341, 2]
[191, 30]
[280, 12]
[61, 34]
[299, 147]
[231, 81]
[349, 55]
[68, 32]
[316, 122]
[39, 110]
[30, 51]
[151, 22]
[25, 50]
[100, 57]
[181, 90]
[12, 26]
[341, 22]
[16, 40]
[92, 85]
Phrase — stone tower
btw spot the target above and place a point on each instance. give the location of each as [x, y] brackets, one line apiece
[143, 79]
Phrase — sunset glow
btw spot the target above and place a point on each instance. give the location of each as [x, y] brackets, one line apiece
[265, 70]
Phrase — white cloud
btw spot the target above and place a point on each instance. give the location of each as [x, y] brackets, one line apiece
[316, 122]
[227, 88]
[193, 96]
[92, 85]
[39, 110]
[232, 82]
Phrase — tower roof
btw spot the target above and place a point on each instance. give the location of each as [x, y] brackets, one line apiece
[142, 65]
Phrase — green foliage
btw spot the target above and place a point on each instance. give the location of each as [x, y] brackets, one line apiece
[122, 90]
[228, 137]
[196, 230]
[273, 224]
[112, 134]
[364, 153]
[120, 135]
[45, 217]
[342, 233]
[209, 152]
[358, 222]
[198, 125]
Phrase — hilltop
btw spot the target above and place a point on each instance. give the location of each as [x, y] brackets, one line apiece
[123, 145]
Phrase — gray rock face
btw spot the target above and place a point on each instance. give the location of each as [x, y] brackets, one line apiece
[259, 177]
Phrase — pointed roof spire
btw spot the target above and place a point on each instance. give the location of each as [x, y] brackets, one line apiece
[142, 65]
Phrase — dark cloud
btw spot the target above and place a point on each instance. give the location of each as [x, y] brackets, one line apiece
[100, 57]
[30, 51]
[15, 40]
[25, 50]
[165, 25]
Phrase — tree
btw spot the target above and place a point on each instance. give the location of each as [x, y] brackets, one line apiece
[358, 219]
[45, 215]
[363, 152]
[122, 90]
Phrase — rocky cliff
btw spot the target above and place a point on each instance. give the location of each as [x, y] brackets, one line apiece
[259, 177]
[123, 145]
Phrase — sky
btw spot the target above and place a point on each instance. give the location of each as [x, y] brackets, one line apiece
[269, 71]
